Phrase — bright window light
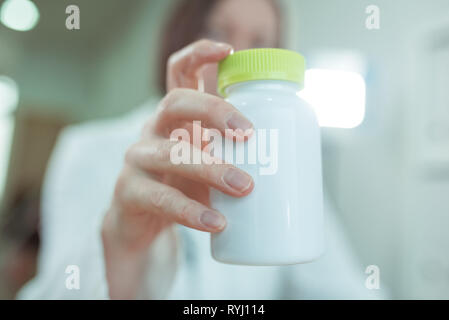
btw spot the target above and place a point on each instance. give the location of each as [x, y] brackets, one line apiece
[9, 95]
[337, 96]
[20, 15]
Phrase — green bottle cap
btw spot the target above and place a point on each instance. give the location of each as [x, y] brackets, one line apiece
[260, 64]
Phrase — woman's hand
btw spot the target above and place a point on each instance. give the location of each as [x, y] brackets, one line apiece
[151, 192]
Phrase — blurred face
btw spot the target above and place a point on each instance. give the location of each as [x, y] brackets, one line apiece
[242, 23]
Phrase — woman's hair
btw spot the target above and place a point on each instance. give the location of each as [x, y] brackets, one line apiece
[185, 25]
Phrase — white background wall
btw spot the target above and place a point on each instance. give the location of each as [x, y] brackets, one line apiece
[396, 216]
[396, 219]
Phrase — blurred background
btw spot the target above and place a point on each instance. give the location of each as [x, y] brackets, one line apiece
[385, 133]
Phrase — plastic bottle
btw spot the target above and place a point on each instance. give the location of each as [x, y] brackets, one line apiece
[281, 221]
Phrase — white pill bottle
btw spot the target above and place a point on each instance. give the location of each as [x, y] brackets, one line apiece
[281, 221]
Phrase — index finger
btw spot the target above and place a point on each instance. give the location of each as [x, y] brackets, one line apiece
[183, 65]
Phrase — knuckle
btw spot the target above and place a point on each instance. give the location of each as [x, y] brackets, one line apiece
[186, 210]
[130, 154]
[214, 104]
[165, 102]
[159, 199]
[170, 99]
[162, 151]
[208, 172]
[174, 58]
[121, 186]
[148, 127]
[171, 60]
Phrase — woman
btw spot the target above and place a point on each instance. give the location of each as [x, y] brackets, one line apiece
[151, 239]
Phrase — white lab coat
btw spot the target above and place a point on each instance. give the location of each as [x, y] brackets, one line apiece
[77, 191]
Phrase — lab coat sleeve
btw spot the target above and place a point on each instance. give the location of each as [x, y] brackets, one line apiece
[70, 262]
[337, 274]
[77, 191]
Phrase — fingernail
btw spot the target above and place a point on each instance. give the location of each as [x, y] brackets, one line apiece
[237, 121]
[237, 180]
[212, 219]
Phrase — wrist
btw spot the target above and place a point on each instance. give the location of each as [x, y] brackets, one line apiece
[125, 264]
